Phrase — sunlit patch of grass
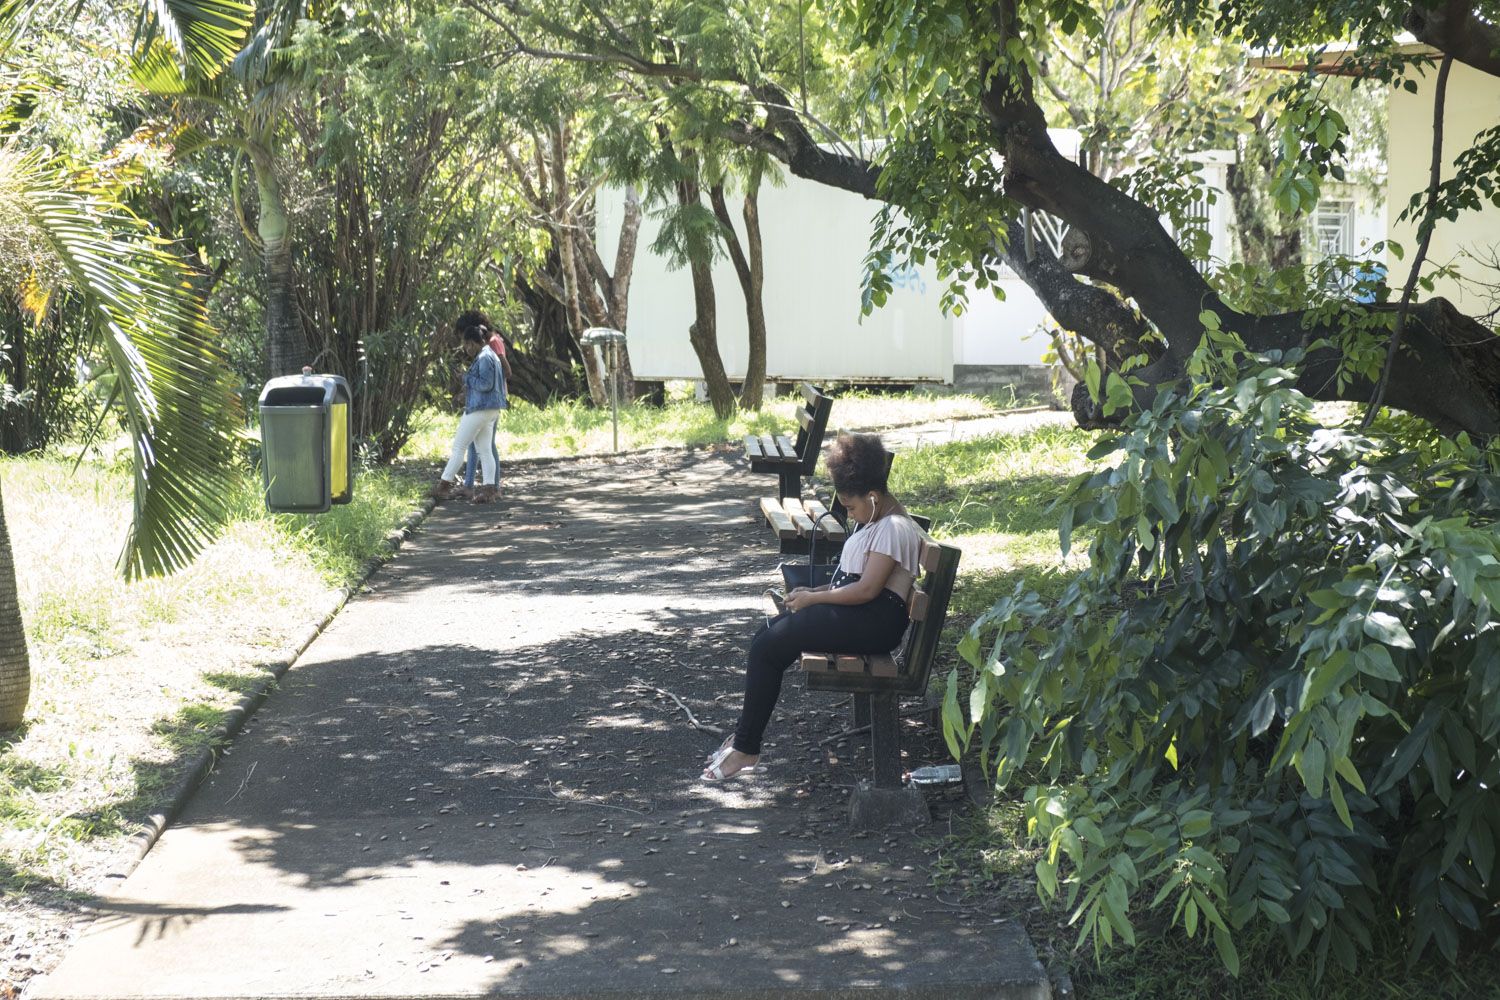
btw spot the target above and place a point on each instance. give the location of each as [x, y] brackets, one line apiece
[573, 427]
[996, 498]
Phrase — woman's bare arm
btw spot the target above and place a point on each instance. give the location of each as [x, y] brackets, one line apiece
[878, 569]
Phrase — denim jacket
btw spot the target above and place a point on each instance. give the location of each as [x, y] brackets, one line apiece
[484, 383]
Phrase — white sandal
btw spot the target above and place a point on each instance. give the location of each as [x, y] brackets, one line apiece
[719, 751]
[715, 771]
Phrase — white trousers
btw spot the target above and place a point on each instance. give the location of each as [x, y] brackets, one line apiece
[478, 426]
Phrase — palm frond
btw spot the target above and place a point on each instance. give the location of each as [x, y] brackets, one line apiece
[18, 18]
[204, 35]
[175, 388]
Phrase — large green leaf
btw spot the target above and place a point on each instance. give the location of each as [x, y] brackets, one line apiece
[175, 389]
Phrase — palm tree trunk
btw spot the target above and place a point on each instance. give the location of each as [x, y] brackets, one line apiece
[15, 664]
[285, 349]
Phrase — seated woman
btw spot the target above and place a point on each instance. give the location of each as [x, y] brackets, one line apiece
[863, 609]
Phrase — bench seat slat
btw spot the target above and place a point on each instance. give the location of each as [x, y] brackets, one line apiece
[877, 665]
[793, 508]
[777, 518]
[752, 448]
[786, 448]
[827, 527]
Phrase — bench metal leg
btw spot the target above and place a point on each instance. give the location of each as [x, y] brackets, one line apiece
[791, 485]
[885, 738]
[884, 802]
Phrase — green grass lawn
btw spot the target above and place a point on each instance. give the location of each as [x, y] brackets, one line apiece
[993, 497]
[575, 428]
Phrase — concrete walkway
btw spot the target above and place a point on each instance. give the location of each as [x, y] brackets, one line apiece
[474, 785]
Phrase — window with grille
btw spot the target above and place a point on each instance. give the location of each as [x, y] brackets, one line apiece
[1333, 228]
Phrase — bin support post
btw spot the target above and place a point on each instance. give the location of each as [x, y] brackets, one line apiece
[614, 388]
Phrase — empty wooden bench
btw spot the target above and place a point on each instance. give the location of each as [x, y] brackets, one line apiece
[790, 460]
[878, 681]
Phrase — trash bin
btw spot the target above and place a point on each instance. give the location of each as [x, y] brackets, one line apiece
[307, 444]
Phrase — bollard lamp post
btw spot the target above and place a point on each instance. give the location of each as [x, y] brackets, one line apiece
[598, 337]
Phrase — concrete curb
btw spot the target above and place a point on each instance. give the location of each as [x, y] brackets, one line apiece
[203, 764]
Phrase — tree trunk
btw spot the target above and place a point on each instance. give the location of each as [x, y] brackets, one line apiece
[1268, 238]
[618, 286]
[751, 271]
[703, 334]
[15, 663]
[15, 421]
[285, 348]
[564, 222]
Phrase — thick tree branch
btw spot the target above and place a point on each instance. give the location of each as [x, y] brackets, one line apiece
[1454, 379]
[804, 156]
[585, 41]
[1456, 29]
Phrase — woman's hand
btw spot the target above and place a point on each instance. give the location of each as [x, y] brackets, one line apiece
[800, 598]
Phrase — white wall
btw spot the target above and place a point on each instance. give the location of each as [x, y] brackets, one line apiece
[1472, 105]
[991, 332]
[815, 238]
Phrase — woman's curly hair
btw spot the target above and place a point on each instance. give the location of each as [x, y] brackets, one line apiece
[473, 319]
[856, 463]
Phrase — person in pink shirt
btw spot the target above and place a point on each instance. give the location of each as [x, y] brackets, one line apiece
[862, 611]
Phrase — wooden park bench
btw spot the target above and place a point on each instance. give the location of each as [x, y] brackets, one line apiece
[789, 460]
[877, 681]
[808, 526]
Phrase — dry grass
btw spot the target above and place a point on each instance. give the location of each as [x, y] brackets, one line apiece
[129, 679]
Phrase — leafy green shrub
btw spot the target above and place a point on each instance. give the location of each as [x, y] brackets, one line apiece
[1274, 695]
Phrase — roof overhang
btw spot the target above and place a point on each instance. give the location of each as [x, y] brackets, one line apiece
[1336, 59]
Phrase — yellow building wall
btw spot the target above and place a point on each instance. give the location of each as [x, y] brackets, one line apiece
[1473, 104]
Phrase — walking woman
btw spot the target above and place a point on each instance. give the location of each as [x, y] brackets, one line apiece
[474, 318]
[484, 395]
[862, 611]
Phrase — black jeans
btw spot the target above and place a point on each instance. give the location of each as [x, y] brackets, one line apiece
[873, 627]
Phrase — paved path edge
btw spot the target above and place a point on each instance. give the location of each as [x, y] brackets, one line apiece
[1036, 987]
[234, 720]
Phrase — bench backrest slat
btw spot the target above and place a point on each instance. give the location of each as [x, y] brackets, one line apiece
[814, 423]
[940, 571]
